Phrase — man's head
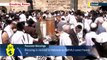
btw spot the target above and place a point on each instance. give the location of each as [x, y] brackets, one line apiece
[93, 26]
[78, 28]
[11, 23]
[30, 22]
[20, 26]
[66, 28]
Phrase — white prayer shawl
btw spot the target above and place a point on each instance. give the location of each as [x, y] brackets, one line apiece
[88, 38]
[9, 31]
[22, 17]
[21, 38]
[87, 24]
[33, 18]
[65, 39]
[102, 37]
[72, 20]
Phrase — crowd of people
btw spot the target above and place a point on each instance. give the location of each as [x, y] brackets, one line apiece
[72, 28]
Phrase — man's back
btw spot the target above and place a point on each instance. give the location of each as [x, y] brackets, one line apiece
[89, 37]
[65, 39]
[21, 38]
[8, 30]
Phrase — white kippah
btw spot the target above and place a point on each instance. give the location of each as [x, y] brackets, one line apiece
[9, 18]
[93, 25]
[7, 15]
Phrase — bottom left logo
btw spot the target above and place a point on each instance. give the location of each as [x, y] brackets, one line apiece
[10, 50]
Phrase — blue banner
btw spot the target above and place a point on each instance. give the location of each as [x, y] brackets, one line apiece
[43, 50]
[98, 4]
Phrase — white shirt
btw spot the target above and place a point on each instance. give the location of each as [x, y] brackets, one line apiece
[22, 17]
[9, 31]
[88, 38]
[33, 18]
[102, 37]
[21, 38]
[65, 39]
[73, 20]
[87, 23]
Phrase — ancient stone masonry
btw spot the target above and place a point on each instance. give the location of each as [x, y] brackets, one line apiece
[52, 4]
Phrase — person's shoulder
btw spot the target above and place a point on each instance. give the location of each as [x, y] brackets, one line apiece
[6, 27]
[63, 34]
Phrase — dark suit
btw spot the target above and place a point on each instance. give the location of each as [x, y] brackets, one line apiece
[75, 42]
[101, 48]
[74, 38]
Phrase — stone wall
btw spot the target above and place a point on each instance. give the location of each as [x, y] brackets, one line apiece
[52, 5]
[64, 4]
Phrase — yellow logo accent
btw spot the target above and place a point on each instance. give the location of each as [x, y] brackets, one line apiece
[10, 50]
[89, 4]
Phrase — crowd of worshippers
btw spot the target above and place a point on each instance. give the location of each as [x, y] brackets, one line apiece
[23, 27]
[73, 28]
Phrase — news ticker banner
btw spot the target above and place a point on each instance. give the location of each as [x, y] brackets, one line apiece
[43, 50]
[96, 4]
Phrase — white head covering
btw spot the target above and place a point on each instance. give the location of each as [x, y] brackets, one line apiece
[7, 15]
[101, 38]
[10, 18]
[81, 24]
[93, 25]
[63, 17]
